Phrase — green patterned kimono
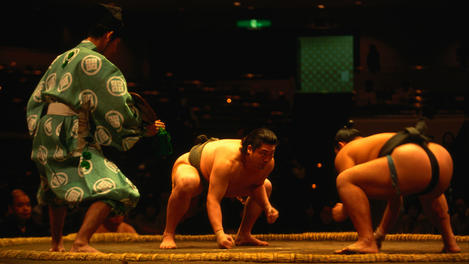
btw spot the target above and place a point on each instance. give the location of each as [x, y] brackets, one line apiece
[80, 104]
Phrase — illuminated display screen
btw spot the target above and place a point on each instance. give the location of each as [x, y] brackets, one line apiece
[325, 64]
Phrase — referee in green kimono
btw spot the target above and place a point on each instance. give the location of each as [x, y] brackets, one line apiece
[80, 104]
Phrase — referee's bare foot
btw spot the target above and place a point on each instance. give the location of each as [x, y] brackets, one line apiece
[57, 249]
[57, 246]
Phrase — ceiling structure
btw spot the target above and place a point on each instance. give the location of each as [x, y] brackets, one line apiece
[209, 14]
[181, 33]
[149, 16]
[292, 14]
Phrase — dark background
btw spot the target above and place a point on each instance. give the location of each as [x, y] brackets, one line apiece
[188, 57]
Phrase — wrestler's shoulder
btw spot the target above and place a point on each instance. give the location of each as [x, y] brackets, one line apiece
[224, 148]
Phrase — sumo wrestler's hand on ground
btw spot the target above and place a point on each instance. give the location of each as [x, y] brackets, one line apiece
[338, 213]
[271, 214]
[224, 240]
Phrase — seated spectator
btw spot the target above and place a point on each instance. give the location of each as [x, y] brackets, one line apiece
[460, 217]
[19, 221]
[115, 224]
[413, 220]
[150, 219]
[403, 95]
[366, 96]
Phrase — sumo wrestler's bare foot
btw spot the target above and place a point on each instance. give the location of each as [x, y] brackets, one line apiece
[359, 247]
[168, 242]
[83, 247]
[249, 240]
[451, 249]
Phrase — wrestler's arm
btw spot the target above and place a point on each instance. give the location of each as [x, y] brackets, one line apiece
[218, 184]
[342, 162]
[259, 195]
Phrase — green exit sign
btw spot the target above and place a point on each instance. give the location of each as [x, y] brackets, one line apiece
[253, 23]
